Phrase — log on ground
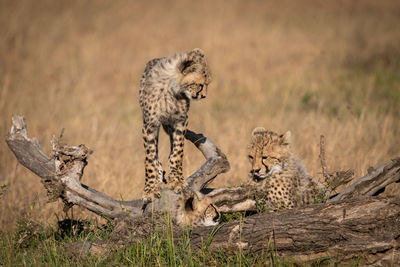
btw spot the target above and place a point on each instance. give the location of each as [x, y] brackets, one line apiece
[346, 230]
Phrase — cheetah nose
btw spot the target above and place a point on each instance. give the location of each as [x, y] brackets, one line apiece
[256, 171]
[203, 96]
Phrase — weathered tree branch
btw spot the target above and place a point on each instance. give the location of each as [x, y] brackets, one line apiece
[216, 163]
[28, 151]
[62, 174]
[373, 183]
[63, 183]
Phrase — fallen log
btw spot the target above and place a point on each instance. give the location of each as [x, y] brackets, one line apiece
[344, 231]
[352, 230]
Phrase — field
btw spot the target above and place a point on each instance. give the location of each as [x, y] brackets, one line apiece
[311, 67]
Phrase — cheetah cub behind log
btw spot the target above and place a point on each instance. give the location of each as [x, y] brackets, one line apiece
[166, 88]
[278, 171]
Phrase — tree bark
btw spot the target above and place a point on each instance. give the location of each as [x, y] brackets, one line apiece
[344, 230]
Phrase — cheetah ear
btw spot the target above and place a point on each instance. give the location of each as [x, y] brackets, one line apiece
[285, 138]
[197, 198]
[195, 55]
[258, 130]
[193, 61]
[186, 66]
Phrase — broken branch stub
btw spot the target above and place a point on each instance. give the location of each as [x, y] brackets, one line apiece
[28, 151]
[335, 179]
[216, 161]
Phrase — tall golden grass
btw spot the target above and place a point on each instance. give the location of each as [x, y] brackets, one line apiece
[312, 67]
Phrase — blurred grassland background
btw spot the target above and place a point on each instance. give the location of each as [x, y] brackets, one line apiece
[311, 67]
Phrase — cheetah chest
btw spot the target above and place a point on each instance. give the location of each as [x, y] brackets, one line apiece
[173, 110]
[281, 191]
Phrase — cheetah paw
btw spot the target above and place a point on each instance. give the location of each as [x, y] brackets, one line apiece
[150, 196]
[177, 185]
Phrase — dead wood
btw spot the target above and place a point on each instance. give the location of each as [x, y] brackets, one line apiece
[373, 183]
[62, 172]
[304, 233]
[348, 231]
[344, 230]
[28, 151]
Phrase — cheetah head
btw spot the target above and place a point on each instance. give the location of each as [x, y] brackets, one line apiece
[199, 210]
[196, 75]
[268, 153]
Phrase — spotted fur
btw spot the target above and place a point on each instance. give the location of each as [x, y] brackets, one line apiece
[277, 169]
[166, 88]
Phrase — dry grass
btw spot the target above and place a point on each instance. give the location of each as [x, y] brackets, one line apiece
[313, 67]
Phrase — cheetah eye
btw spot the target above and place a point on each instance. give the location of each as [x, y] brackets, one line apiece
[201, 86]
[250, 157]
[264, 157]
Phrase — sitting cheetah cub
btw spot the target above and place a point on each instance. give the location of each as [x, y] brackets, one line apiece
[166, 88]
[274, 166]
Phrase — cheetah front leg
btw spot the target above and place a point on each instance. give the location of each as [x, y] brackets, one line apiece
[175, 161]
[153, 169]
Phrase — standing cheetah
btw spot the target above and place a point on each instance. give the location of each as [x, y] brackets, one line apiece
[166, 88]
[274, 166]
